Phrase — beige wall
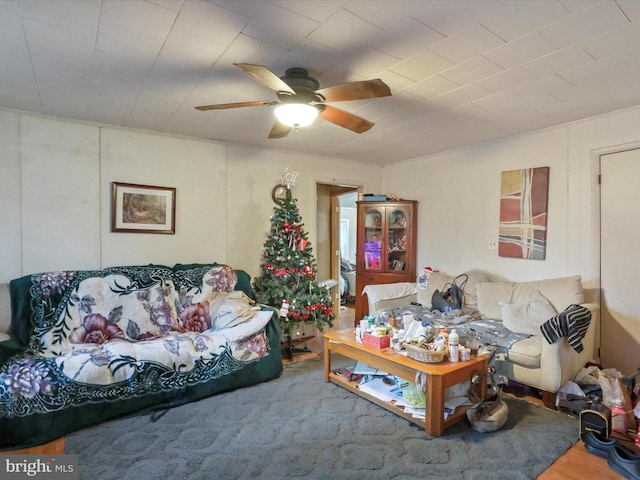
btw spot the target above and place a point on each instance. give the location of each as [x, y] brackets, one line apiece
[252, 173]
[59, 172]
[10, 205]
[55, 178]
[458, 194]
[55, 195]
[458, 210]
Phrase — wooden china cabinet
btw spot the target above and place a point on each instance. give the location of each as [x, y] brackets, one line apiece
[386, 246]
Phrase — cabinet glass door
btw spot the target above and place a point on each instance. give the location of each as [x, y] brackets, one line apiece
[373, 239]
[397, 222]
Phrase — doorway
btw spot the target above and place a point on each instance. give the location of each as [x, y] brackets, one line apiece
[336, 232]
[619, 260]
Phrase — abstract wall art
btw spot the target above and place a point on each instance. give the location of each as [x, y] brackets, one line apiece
[524, 198]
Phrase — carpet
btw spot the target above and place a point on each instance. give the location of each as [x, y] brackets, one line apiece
[298, 426]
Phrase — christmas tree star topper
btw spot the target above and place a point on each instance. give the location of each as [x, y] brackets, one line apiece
[289, 177]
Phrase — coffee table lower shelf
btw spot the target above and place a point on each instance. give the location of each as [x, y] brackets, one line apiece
[439, 377]
[341, 381]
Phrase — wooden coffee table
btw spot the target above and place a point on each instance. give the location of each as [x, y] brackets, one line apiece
[439, 377]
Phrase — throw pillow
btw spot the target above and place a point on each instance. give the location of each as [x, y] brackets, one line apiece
[228, 309]
[489, 294]
[473, 277]
[526, 318]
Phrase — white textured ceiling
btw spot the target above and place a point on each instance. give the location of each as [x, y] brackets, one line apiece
[461, 72]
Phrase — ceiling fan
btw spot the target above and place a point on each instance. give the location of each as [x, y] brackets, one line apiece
[298, 94]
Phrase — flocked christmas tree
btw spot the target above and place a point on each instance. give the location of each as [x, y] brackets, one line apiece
[288, 273]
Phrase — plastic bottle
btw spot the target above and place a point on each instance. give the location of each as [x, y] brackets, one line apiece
[618, 417]
[396, 340]
[454, 345]
[358, 334]
[444, 334]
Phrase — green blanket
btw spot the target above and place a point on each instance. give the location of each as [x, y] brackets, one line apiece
[88, 346]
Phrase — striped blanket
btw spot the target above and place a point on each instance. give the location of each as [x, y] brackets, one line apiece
[571, 323]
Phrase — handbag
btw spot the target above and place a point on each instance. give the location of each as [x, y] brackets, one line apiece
[450, 298]
[490, 414]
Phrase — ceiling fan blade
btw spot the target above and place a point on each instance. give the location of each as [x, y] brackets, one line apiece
[345, 119]
[279, 130]
[265, 77]
[224, 106]
[356, 91]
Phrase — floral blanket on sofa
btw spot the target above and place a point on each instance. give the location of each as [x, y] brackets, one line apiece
[129, 339]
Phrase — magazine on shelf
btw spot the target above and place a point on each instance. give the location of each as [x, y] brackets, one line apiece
[388, 389]
[449, 407]
[416, 412]
[364, 369]
[385, 388]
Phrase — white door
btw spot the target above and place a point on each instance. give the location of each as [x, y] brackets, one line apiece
[620, 261]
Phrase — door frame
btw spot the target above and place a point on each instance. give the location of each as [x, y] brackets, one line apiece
[336, 189]
[602, 154]
[596, 229]
[596, 251]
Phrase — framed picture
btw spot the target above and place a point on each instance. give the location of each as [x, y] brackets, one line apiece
[397, 265]
[524, 201]
[143, 208]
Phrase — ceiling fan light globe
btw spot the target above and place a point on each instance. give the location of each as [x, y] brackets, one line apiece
[296, 114]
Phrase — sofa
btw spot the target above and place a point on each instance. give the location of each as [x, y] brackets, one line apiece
[521, 308]
[83, 347]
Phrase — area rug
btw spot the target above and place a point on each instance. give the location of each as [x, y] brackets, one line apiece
[298, 426]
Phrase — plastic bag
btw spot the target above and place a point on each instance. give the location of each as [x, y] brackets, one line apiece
[608, 379]
[587, 376]
[413, 395]
[569, 390]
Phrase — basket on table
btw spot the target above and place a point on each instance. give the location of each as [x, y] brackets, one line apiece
[425, 353]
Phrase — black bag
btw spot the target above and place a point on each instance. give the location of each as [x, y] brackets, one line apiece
[450, 298]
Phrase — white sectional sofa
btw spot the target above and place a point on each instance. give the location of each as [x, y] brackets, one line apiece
[522, 307]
